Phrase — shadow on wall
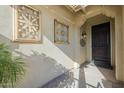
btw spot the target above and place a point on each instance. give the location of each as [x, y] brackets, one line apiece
[65, 80]
[68, 80]
[40, 66]
[67, 49]
[7, 41]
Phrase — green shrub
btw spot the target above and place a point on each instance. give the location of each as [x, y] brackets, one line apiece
[12, 68]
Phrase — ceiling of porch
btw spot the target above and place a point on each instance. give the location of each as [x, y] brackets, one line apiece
[76, 8]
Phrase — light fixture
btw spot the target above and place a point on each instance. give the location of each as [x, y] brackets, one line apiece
[84, 35]
[83, 38]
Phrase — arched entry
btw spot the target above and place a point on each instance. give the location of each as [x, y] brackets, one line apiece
[99, 23]
[114, 13]
[100, 20]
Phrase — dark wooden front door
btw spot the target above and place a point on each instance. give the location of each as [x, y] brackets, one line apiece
[101, 44]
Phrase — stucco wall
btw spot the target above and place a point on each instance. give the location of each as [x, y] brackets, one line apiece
[47, 60]
[123, 37]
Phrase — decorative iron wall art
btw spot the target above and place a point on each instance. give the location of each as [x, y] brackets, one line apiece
[61, 32]
[27, 24]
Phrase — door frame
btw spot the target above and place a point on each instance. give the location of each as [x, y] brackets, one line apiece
[112, 42]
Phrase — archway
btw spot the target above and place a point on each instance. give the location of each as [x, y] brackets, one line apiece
[106, 16]
[113, 12]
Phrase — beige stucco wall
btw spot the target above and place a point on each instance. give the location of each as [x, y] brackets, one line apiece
[123, 38]
[47, 60]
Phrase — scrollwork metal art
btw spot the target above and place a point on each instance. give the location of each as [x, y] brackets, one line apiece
[27, 23]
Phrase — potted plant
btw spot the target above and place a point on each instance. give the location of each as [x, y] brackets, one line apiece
[12, 68]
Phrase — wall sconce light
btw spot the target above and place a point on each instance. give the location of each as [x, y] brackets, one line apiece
[83, 39]
[84, 35]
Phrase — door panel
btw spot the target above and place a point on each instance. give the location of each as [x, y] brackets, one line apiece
[101, 44]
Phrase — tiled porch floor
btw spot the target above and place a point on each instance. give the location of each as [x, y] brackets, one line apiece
[90, 76]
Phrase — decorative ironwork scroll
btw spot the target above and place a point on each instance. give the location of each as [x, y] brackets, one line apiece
[27, 24]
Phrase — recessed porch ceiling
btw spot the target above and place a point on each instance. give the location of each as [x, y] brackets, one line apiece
[76, 8]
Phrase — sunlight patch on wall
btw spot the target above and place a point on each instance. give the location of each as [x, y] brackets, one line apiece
[56, 53]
